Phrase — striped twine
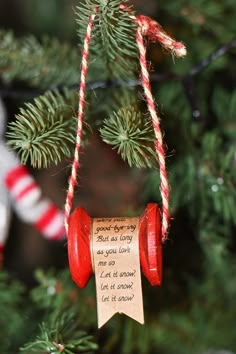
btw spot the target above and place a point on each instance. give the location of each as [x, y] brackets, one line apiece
[164, 188]
[153, 31]
[82, 91]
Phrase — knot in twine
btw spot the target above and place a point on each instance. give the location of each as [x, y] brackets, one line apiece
[155, 33]
[152, 30]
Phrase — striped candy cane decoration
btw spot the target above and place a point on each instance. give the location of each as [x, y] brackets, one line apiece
[27, 197]
[31, 206]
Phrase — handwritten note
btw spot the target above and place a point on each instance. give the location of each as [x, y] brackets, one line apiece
[116, 263]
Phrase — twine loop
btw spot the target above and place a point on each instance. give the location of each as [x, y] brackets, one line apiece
[153, 31]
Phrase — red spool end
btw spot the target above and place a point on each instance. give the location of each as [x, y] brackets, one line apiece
[150, 245]
[1, 255]
[79, 247]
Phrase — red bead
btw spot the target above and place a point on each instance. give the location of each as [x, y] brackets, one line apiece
[150, 246]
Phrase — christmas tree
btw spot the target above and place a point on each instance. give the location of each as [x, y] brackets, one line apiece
[194, 311]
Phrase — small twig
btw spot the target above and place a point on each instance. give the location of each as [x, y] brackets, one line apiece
[28, 93]
[60, 347]
[211, 58]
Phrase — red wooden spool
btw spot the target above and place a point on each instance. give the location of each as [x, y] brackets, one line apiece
[150, 245]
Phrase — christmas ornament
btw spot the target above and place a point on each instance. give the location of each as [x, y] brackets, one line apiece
[19, 190]
[79, 245]
[30, 205]
[113, 248]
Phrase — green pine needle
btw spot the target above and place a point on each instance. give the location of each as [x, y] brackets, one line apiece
[44, 131]
[131, 135]
[14, 314]
[42, 64]
[113, 35]
[62, 335]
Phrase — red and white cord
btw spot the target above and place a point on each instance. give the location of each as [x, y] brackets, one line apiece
[164, 188]
[82, 92]
[151, 29]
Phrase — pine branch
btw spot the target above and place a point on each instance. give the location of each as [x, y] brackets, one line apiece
[63, 294]
[131, 135]
[62, 336]
[66, 323]
[15, 92]
[44, 64]
[113, 36]
[45, 143]
[208, 181]
[44, 131]
[12, 308]
[59, 289]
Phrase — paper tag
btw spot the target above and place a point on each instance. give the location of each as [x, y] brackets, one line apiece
[116, 264]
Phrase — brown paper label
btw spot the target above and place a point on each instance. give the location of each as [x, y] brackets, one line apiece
[116, 263]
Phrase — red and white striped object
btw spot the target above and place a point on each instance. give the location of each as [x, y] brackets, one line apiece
[27, 198]
[5, 214]
[22, 186]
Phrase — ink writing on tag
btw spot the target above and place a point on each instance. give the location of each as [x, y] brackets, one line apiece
[115, 254]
